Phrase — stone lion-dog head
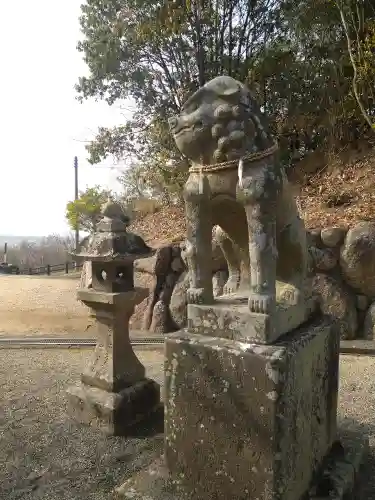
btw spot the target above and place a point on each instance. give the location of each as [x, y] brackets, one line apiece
[219, 122]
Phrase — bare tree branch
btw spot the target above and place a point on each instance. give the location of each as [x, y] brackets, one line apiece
[344, 23]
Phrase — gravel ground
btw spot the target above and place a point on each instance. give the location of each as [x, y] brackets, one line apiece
[44, 455]
[357, 407]
[37, 305]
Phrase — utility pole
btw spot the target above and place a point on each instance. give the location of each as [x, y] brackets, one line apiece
[76, 196]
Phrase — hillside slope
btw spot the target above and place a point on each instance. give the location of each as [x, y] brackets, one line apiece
[162, 227]
[338, 193]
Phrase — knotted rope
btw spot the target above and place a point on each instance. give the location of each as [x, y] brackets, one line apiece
[231, 164]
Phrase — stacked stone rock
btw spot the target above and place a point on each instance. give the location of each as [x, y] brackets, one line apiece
[343, 264]
[167, 268]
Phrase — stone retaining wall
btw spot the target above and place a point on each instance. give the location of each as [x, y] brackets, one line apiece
[343, 266]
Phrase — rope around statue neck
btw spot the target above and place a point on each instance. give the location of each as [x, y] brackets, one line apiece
[232, 164]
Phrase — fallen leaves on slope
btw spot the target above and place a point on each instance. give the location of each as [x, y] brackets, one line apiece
[162, 227]
[337, 196]
[341, 196]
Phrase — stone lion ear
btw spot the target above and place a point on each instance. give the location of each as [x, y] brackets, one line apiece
[230, 91]
[225, 86]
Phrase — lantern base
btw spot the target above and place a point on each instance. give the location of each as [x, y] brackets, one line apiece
[113, 413]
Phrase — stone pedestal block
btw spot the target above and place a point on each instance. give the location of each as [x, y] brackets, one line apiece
[248, 420]
[340, 477]
[229, 317]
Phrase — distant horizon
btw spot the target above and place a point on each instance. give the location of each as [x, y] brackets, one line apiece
[17, 238]
[16, 235]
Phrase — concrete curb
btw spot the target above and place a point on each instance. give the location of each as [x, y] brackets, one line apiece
[54, 342]
[358, 347]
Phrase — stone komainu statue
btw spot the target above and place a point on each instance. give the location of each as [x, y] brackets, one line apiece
[236, 182]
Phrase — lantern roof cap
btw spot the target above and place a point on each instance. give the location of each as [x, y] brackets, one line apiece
[111, 241]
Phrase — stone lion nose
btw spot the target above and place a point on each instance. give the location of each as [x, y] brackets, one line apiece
[172, 122]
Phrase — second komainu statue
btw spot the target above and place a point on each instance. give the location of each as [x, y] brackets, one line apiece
[237, 182]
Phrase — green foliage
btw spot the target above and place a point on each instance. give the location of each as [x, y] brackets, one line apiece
[84, 212]
[292, 52]
[157, 54]
[357, 21]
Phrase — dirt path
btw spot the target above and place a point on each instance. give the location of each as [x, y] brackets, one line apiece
[34, 305]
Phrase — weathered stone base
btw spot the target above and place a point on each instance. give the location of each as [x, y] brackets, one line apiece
[243, 418]
[113, 413]
[339, 478]
[229, 317]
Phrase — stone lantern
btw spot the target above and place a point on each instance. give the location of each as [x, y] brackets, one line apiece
[114, 392]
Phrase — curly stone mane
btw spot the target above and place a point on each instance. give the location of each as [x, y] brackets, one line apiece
[235, 126]
[222, 122]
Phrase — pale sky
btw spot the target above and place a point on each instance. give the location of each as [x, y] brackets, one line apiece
[41, 123]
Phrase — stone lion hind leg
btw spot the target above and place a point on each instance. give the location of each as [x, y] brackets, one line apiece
[234, 271]
[198, 241]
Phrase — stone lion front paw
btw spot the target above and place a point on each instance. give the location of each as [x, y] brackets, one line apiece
[232, 284]
[261, 303]
[195, 295]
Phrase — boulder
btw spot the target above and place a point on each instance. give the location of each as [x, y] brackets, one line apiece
[322, 259]
[146, 265]
[333, 236]
[313, 237]
[357, 258]
[159, 323]
[167, 265]
[162, 261]
[178, 303]
[369, 323]
[337, 301]
[86, 275]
